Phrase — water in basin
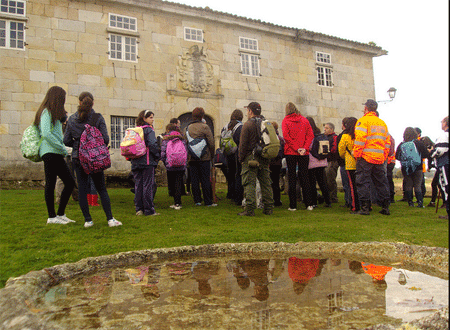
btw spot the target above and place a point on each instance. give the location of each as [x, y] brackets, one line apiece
[227, 293]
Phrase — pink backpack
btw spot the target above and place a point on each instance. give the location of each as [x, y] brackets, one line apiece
[176, 153]
[133, 143]
[93, 152]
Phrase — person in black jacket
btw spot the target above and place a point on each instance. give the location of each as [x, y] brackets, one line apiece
[72, 135]
[143, 168]
[412, 171]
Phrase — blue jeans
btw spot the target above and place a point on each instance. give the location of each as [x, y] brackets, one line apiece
[346, 186]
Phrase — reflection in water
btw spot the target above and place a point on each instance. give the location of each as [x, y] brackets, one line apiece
[287, 293]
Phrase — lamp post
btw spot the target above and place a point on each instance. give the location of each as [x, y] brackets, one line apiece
[391, 92]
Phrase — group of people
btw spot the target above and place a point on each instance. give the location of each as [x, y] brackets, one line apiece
[363, 152]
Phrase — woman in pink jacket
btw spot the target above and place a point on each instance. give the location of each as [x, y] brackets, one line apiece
[298, 135]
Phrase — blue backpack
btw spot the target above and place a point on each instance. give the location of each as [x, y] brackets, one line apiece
[410, 157]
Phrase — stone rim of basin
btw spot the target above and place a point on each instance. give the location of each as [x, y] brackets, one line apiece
[16, 299]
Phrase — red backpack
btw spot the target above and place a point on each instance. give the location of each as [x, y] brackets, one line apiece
[93, 152]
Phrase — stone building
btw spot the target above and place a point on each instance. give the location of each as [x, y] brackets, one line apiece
[170, 58]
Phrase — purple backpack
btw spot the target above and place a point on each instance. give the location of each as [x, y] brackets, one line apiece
[176, 153]
[93, 152]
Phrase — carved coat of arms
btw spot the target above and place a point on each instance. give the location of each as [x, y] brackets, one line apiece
[196, 73]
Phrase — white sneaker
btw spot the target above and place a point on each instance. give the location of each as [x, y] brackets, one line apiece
[63, 217]
[289, 209]
[57, 220]
[176, 207]
[310, 208]
[88, 224]
[139, 213]
[114, 223]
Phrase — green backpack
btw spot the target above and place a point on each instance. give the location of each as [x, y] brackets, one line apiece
[30, 144]
[227, 143]
[269, 145]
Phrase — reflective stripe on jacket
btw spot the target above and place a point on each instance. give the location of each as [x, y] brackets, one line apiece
[372, 140]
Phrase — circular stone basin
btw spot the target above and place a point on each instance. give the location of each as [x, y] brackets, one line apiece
[235, 286]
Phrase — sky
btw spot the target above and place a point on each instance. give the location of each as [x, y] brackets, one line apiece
[415, 34]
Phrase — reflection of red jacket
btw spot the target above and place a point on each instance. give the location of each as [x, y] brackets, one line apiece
[377, 272]
[297, 133]
[302, 270]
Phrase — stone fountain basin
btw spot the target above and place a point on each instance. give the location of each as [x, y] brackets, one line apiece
[18, 297]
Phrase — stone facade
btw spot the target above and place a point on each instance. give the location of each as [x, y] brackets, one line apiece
[67, 44]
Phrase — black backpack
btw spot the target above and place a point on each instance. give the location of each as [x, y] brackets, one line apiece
[320, 147]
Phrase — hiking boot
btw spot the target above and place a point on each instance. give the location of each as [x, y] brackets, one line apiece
[411, 203]
[247, 213]
[88, 224]
[114, 223]
[63, 217]
[57, 220]
[385, 208]
[365, 209]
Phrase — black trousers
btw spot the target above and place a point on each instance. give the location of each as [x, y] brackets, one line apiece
[55, 166]
[317, 174]
[366, 173]
[275, 171]
[298, 165]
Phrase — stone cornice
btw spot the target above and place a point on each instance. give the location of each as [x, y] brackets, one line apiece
[298, 35]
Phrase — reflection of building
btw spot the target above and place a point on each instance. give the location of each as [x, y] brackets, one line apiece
[261, 320]
[169, 58]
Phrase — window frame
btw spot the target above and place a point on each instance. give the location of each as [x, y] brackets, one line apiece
[123, 17]
[14, 14]
[324, 69]
[193, 29]
[124, 46]
[118, 129]
[250, 56]
[8, 31]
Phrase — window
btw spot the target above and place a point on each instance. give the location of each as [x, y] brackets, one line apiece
[324, 69]
[323, 57]
[192, 34]
[118, 127]
[123, 38]
[249, 56]
[122, 22]
[249, 44]
[12, 31]
[122, 48]
[324, 77]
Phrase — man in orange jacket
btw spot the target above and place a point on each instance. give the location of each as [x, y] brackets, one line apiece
[371, 149]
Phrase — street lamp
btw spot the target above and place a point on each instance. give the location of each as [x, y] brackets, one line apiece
[391, 92]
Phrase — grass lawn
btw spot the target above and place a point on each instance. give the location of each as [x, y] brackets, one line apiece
[28, 243]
